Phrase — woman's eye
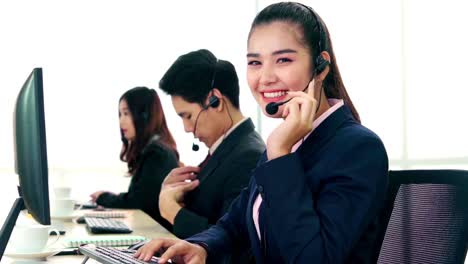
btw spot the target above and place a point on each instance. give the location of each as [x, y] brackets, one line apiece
[253, 63]
[283, 60]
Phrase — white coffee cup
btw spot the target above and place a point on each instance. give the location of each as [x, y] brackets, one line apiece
[62, 192]
[62, 207]
[31, 238]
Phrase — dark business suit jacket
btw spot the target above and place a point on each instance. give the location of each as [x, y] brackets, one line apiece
[157, 160]
[321, 202]
[227, 172]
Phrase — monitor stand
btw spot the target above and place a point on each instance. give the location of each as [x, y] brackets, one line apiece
[9, 224]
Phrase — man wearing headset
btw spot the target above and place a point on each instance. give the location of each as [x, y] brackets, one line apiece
[205, 94]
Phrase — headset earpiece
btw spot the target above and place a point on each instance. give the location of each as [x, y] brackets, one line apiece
[213, 101]
[320, 64]
[145, 117]
[145, 113]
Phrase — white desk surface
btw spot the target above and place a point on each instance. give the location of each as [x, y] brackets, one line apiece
[141, 223]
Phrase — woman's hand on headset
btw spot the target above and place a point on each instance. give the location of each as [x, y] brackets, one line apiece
[298, 114]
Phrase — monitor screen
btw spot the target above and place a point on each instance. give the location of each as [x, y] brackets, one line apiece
[30, 157]
[30, 148]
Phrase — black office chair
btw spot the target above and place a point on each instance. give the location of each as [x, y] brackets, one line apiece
[425, 219]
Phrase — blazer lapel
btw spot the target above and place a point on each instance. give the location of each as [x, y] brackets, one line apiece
[208, 169]
[326, 130]
[251, 230]
[225, 148]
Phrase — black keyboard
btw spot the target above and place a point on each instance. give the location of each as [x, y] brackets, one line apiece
[109, 255]
[98, 225]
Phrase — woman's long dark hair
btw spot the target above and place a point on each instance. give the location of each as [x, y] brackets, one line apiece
[149, 121]
[314, 31]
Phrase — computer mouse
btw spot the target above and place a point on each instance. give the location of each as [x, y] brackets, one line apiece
[80, 220]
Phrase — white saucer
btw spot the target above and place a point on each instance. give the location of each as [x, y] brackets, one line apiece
[67, 218]
[35, 255]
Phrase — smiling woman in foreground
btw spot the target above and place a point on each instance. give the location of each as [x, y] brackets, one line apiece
[316, 192]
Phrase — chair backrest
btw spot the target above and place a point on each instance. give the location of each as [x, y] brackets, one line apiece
[425, 219]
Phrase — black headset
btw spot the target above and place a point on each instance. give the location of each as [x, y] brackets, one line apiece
[320, 62]
[213, 101]
[145, 116]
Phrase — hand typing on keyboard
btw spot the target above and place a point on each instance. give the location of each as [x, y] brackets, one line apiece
[180, 251]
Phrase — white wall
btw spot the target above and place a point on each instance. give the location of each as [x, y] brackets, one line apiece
[402, 63]
[93, 51]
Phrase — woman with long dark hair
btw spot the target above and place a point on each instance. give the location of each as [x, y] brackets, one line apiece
[149, 150]
[315, 194]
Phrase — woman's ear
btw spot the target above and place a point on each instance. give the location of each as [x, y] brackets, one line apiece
[326, 56]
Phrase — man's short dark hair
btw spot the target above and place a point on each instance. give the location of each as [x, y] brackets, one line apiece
[193, 75]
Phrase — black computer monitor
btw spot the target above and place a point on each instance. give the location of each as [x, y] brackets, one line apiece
[30, 157]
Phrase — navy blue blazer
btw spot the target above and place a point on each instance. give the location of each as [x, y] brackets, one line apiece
[321, 201]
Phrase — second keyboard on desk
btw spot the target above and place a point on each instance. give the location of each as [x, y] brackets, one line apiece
[98, 225]
[109, 255]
